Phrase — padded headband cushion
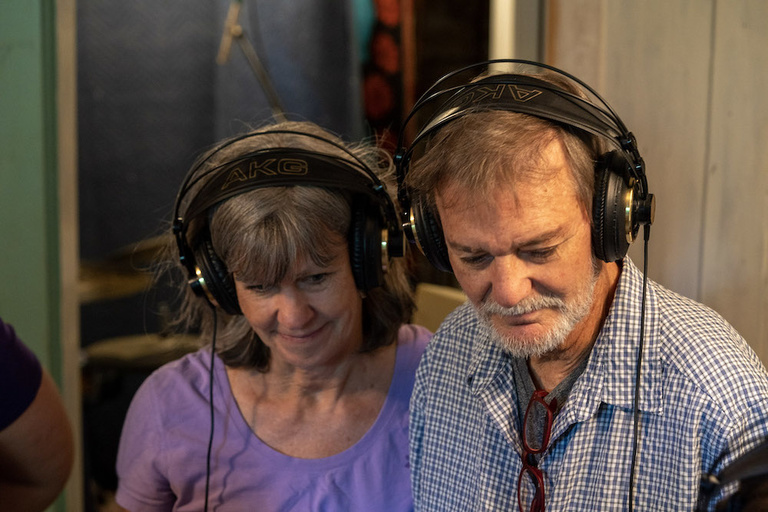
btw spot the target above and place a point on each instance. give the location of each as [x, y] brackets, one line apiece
[283, 168]
[526, 95]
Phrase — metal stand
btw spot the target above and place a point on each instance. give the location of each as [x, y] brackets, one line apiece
[234, 31]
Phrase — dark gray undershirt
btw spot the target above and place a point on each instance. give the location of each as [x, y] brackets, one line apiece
[525, 388]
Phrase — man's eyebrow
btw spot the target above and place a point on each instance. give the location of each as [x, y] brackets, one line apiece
[543, 238]
[460, 247]
[540, 239]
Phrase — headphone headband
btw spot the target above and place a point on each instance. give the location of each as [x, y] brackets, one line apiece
[460, 93]
[526, 95]
[281, 167]
[192, 177]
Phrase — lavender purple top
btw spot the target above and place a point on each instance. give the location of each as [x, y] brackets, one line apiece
[20, 376]
[162, 457]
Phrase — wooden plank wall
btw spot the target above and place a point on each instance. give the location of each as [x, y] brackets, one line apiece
[734, 271]
[689, 78]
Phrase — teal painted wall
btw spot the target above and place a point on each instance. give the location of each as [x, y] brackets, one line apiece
[28, 194]
[29, 248]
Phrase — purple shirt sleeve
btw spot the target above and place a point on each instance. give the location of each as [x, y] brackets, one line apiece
[20, 376]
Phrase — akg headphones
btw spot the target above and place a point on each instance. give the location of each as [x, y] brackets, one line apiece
[373, 238]
[621, 201]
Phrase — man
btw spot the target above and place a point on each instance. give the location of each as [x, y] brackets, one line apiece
[530, 192]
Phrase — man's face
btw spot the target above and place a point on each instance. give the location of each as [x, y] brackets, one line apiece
[524, 258]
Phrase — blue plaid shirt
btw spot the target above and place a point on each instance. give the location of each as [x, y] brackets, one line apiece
[703, 402]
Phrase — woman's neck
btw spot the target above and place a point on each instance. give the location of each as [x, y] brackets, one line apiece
[314, 413]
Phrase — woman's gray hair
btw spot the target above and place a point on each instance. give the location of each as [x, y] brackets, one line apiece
[260, 234]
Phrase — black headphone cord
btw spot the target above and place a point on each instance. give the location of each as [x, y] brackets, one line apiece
[636, 412]
[210, 399]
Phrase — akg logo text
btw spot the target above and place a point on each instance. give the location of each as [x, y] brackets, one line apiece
[488, 93]
[268, 167]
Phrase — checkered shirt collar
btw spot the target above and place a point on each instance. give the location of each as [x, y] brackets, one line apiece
[610, 373]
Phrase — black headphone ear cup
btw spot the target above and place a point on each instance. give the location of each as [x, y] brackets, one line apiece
[609, 230]
[365, 247]
[429, 234]
[216, 278]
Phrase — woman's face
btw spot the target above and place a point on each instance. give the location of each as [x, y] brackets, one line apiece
[312, 318]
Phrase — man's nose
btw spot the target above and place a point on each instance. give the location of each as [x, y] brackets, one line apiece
[510, 281]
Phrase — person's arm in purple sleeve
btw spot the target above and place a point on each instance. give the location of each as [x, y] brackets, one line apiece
[37, 445]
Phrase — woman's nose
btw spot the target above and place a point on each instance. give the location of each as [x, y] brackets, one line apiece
[294, 310]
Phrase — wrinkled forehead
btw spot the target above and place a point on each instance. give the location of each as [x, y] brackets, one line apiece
[507, 173]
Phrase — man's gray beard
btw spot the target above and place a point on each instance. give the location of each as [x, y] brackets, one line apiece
[570, 315]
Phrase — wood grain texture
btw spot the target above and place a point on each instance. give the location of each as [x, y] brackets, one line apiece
[734, 270]
[688, 77]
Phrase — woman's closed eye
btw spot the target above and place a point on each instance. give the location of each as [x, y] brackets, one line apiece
[316, 279]
[260, 289]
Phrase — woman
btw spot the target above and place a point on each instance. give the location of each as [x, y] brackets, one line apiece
[280, 233]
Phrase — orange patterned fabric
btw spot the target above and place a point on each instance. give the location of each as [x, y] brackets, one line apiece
[385, 87]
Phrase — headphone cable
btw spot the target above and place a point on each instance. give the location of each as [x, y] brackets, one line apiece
[636, 412]
[210, 399]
